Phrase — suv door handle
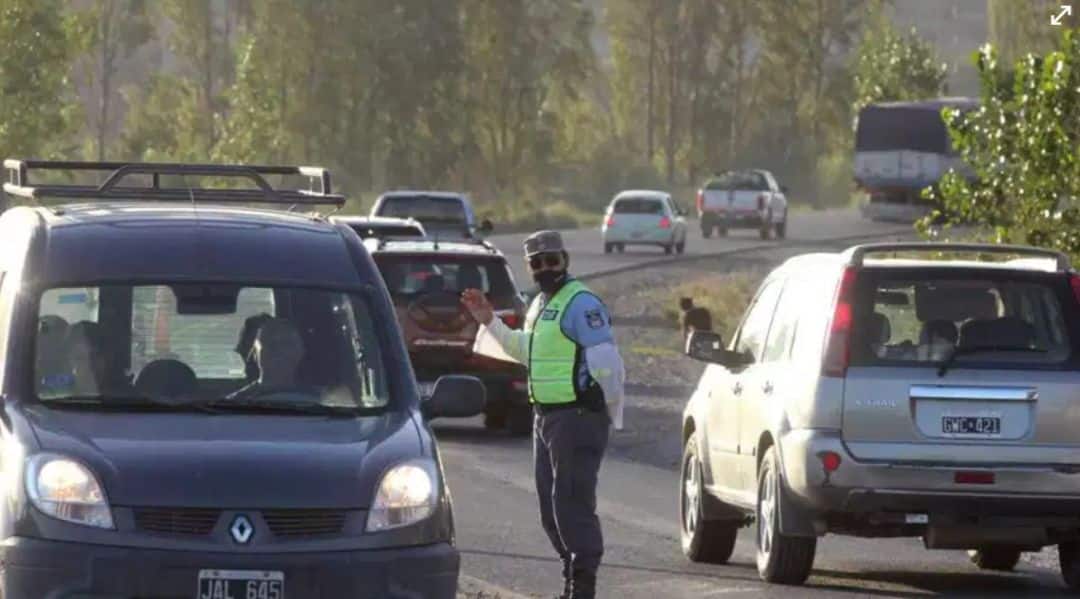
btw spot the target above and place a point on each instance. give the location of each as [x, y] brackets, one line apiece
[767, 388]
[737, 389]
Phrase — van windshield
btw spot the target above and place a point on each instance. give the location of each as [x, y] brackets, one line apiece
[993, 320]
[201, 343]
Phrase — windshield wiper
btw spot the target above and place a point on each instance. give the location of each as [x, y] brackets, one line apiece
[295, 407]
[128, 402]
[974, 349]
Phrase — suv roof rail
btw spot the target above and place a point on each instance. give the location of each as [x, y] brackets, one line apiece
[319, 192]
[855, 255]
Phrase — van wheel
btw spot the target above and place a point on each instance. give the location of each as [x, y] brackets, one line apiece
[780, 559]
[519, 420]
[703, 540]
[1001, 559]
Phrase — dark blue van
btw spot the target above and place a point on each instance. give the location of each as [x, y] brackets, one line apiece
[203, 400]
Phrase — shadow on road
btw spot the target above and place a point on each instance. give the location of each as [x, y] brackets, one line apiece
[946, 584]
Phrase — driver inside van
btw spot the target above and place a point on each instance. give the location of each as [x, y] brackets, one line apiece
[277, 350]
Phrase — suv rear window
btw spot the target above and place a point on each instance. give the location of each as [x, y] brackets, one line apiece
[409, 277]
[426, 209]
[1004, 318]
[639, 206]
[368, 231]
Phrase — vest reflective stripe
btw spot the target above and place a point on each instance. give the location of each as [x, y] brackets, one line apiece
[552, 355]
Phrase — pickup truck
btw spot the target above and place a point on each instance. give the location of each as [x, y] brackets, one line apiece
[743, 199]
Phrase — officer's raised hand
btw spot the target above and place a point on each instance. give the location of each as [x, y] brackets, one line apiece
[478, 305]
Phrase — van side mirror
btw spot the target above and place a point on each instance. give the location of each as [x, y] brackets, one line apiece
[708, 346]
[455, 396]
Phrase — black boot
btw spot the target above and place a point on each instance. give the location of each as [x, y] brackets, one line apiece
[567, 580]
[584, 584]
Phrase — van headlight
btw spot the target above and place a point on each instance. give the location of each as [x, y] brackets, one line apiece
[67, 490]
[406, 495]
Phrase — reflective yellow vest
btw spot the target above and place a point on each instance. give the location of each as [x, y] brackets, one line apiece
[552, 355]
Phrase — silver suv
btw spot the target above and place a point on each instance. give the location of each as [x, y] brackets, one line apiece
[913, 395]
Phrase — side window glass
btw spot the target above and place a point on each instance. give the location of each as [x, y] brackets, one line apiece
[782, 330]
[756, 324]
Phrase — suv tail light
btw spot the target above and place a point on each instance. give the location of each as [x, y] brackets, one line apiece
[761, 199]
[700, 200]
[665, 223]
[611, 220]
[1074, 282]
[838, 348]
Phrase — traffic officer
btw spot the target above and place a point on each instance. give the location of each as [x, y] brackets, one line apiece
[576, 387]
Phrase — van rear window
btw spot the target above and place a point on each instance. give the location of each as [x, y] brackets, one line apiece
[995, 320]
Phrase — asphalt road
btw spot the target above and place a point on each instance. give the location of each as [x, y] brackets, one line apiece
[587, 251]
[502, 543]
[490, 478]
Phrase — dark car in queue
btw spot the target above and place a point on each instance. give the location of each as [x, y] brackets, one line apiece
[207, 401]
[444, 214]
[383, 227]
[425, 280]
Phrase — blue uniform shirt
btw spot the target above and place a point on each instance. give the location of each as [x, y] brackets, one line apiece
[586, 322]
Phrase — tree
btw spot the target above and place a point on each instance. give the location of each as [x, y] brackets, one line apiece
[110, 30]
[1019, 27]
[35, 57]
[1023, 148]
[890, 66]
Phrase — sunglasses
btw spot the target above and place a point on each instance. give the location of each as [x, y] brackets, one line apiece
[548, 260]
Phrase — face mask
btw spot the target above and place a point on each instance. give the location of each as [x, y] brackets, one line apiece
[549, 280]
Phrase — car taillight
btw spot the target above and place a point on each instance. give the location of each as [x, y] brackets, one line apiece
[838, 349]
[665, 223]
[1074, 282]
[761, 199]
[512, 319]
[611, 221]
[701, 200]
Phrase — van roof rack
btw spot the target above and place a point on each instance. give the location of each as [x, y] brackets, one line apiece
[319, 192]
[855, 255]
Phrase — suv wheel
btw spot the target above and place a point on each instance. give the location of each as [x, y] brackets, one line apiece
[703, 540]
[607, 248]
[1002, 559]
[669, 248]
[780, 559]
[519, 419]
[681, 246]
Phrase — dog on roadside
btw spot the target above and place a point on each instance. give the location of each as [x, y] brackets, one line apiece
[694, 318]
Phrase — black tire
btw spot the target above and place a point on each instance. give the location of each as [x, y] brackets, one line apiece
[519, 420]
[781, 228]
[607, 248]
[766, 227]
[780, 559]
[703, 540]
[495, 416]
[1069, 563]
[706, 226]
[999, 559]
[680, 247]
[669, 248]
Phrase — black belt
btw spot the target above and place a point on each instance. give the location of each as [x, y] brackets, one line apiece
[574, 405]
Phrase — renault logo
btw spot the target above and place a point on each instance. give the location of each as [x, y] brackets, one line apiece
[241, 529]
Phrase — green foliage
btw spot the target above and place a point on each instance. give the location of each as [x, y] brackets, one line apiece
[891, 66]
[1023, 147]
[36, 41]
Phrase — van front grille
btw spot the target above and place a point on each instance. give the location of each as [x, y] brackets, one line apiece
[304, 523]
[177, 521]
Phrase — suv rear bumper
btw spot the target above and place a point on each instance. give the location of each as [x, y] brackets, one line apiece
[45, 569]
[733, 219]
[865, 487]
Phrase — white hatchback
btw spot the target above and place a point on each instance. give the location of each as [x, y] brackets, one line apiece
[641, 217]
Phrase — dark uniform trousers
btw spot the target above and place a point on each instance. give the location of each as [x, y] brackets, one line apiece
[568, 446]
